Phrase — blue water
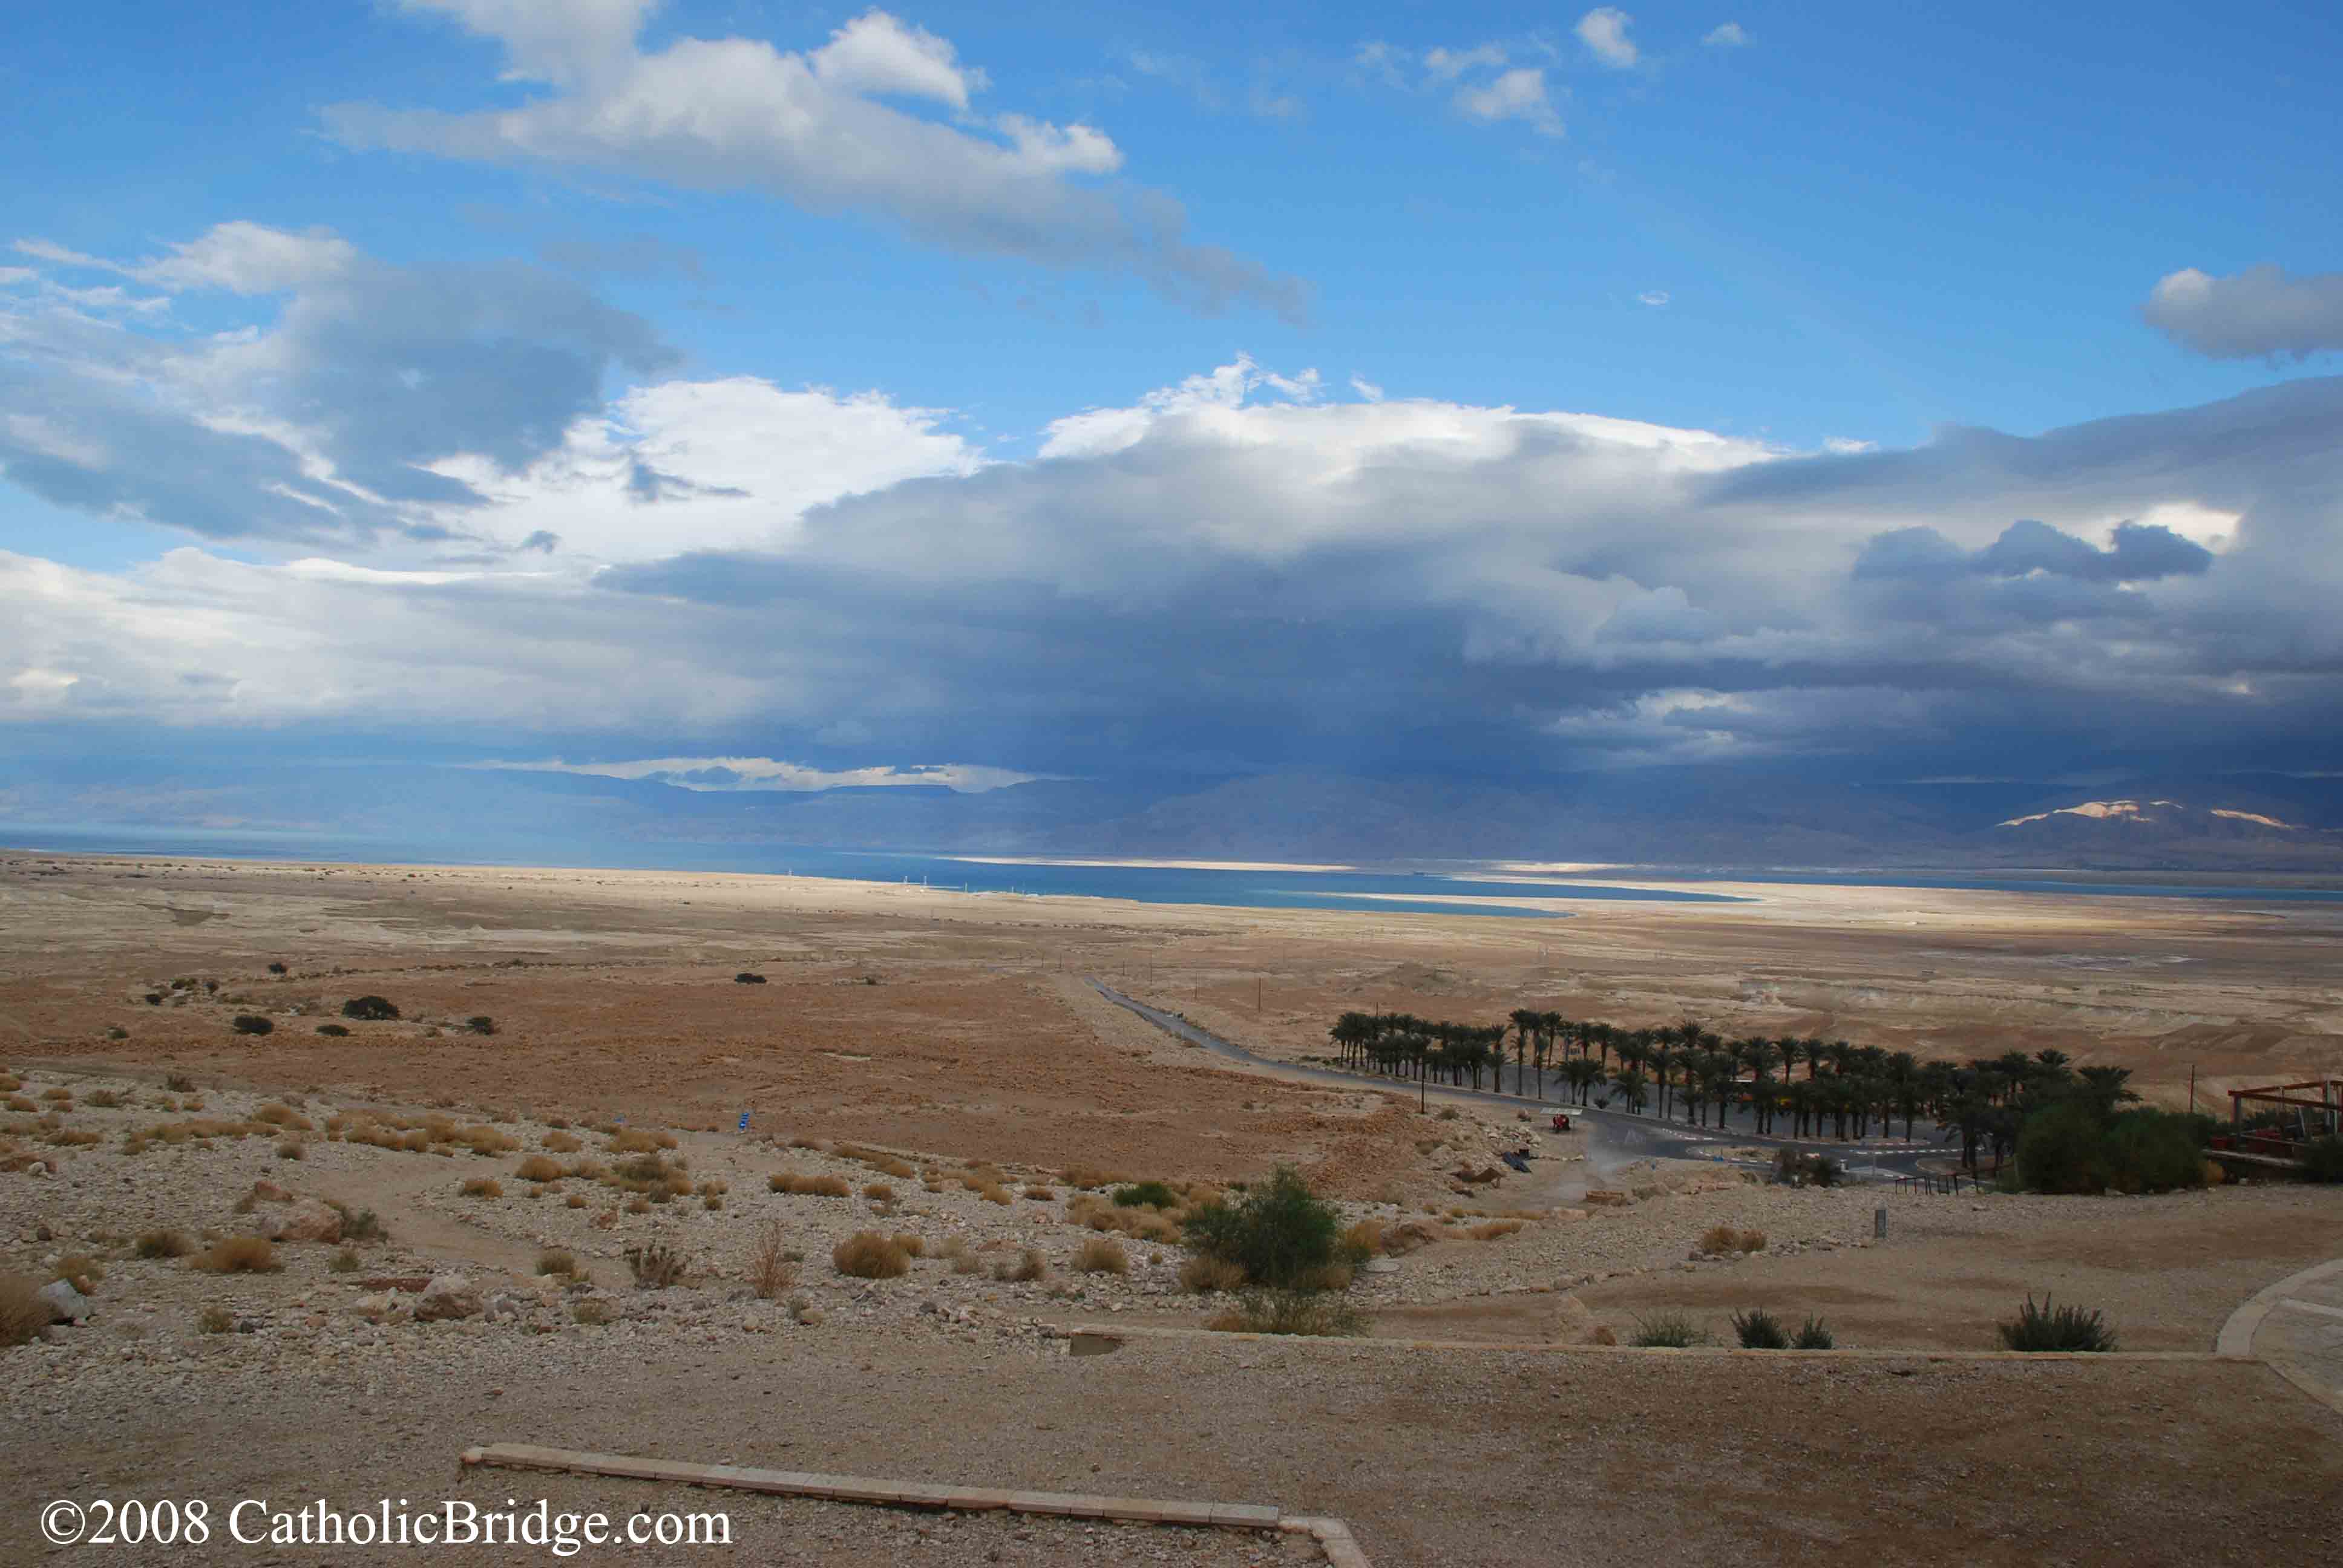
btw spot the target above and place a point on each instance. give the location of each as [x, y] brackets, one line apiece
[1405, 892]
[1140, 884]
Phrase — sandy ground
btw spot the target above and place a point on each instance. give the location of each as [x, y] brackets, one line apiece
[955, 1029]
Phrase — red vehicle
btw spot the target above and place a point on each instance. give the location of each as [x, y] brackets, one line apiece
[1561, 1121]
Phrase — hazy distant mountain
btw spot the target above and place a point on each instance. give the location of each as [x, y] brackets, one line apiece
[1711, 817]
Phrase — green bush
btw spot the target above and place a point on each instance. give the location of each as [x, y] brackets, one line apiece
[1667, 1331]
[1146, 1195]
[2062, 1149]
[1279, 1234]
[251, 1023]
[1814, 1335]
[2322, 1158]
[2044, 1328]
[2068, 1147]
[2155, 1151]
[370, 1008]
[1759, 1330]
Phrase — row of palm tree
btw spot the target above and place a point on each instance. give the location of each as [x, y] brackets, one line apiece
[1848, 1090]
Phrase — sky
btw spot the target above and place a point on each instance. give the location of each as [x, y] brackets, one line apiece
[770, 395]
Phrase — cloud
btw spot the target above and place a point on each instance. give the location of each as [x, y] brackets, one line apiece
[2261, 312]
[326, 421]
[1654, 297]
[1603, 31]
[1727, 36]
[735, 774]
[1366, 389]
[825, 130]
[1516, 95]
[1447, 65]
[370, 403]
[1235, 571]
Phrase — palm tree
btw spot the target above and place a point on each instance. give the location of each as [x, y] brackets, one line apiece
[1664, 1062]
[1632, 1086]
[1581, 1072]
[1527, 1022]
[2105, 1088]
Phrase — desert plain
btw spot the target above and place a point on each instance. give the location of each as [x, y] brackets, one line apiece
[937, 1065]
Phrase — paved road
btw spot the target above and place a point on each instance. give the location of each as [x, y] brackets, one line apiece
[1614, 1138]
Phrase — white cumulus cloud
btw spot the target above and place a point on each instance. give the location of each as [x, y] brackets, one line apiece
[2261, 312]
[1603, 31]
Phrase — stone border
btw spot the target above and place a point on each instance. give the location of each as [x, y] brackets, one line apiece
[1103, 1339]
[1332, 1535]
[2237, 1333]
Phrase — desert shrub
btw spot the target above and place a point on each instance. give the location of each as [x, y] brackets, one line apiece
[358, 1225]
[105, 1099]
[240, 1255]
[163, 1244]
[1813, 1335]
[913, 1247]
[1288, 1311]
[770, 1270]
[1148, 1194]
[59, 1096]
[1041, 1194]
[2045, 1328]
[747, 977]
[333, 1030]
[483, 1139]
[215, 1320]
[1720, 1238]
[369, 1009]
[562, 1143]
[1759, 1330]
[867, 1255]
[1102, 1255]
[2322, 1159]
[1666, 1331]
[481, 1023]
[1030, 1266]
[1203, 1273]
[1361, 1240]
[711, 1201]
[879, 1192]
[180, 1083]
[901, 1170]
[575, 1200]
[810, 1186]
[995, 1194]
[539, 1168]
[592, 1311]
[251, 1023]
[1087, 1178]
[1278, 1232]
[632, 1141]
[483, 1187]
[557, 1261]
[279, 1115]
[813, 1143]
[345, 1262]
[1494, 1229]
[639, 1204]
[655, 1266]
[1750, 1242]
[275, 968]
[80, 1271]
[292, 1149]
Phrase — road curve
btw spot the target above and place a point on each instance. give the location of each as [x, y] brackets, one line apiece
[1614, 1137]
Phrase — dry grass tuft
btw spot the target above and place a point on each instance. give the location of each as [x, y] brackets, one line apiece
[557, 1261]
[798, 1186]
[240, 1255]
[1040, 1193]
[1102, 1255]
[639, 1204]
[539, 1168]
[995, 1194]
[575, 1200]
[867, 1255]
[1720, 1238]
[163, 1244]
[1750, 1242]
[1494, 1228]
[879, 1192]
[913, 1247]
[80, 1271]
[483, 1187]
[1030, 1266]
[292, 1149]
[562, 1143]
[23, 1313]
[770, 1269]
[1202, 1274]
[279, 1115]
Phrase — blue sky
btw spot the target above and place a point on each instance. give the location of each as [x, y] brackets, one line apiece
[588, 309]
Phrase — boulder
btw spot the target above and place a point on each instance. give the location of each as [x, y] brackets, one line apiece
[266, 1192]
[1408, 1236]
[67, 1305]
[448, 1297]
[310, 1220]
[1573, 1323]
